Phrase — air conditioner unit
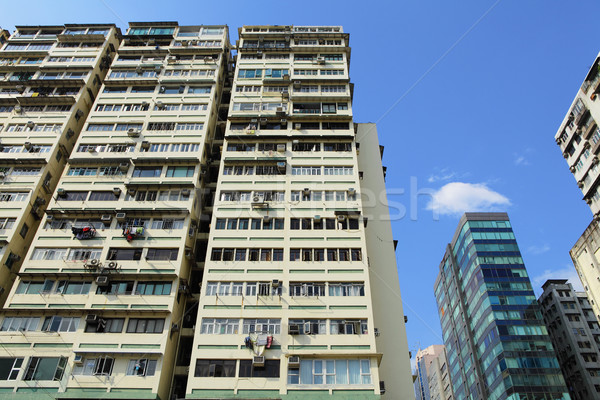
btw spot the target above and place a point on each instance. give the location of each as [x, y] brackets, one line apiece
[121, 216]
[283, 121]
[294, 362]
[49, 218]
[297, 84]
[320, 60]
[188, 253]
[116, 191]
[297, 126]
[208, 59]
[286, 77]
[94, 262]
[124, 166]
[131, 191]
[171, 59]
[258, 199]
[145, 104]
[18, 108]
[102, 280]
[30, 124]
[263, 121]
[285, 95]
[254, 121]
[317, 218]
[295, 141]
[61, 192]
[28, 145]
[174, 327]
[351, 191]
[341, 218]
[185, 192]
[275, 283]
[106, 219]
[91, 318]
[145, 145]
[78, 359]
[160, 104]
[293, 329]
[281, 148]
[2, 175]
[377, 333]
[258, 361]
[91, 149]
[133, 132]
[138, 69]
[266, 218]
[162, 89]
[279, 111]
[306, 191]
[281, 165]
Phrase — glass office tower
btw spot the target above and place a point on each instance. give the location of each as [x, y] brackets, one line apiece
[498, 346]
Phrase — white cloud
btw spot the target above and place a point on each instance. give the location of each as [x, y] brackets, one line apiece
[443, 175]
[537, 250]
[459, 197]
[521, 160]
[567, 272]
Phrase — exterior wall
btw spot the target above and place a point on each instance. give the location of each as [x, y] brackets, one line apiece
[579, 138]
[575, 334]
[424, 359]
[121, 139]
[489, 315]
[586, 258]
[40, 122]
[394, 368]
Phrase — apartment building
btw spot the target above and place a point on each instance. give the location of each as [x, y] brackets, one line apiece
[496, 340]
[298, 280]
[103, 298]
[4, 35]
[49, 78]
[432, 378]
[579, 138]
[575, 334]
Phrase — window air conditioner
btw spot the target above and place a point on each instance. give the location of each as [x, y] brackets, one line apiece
[281, 165]
[124, 166]
[185, 192]
[293, 329]
[106, 219]
[263, 121]
[275, 283]
[78, 359]
[91, 318]
[341, 218]
[49, 218]
[254, 121]
[61, 192]
[102, 280]
[171, 59]
[91, 149]
[145, 145]
[307, 328]
[266, 218]
[116, 191]
[320, 60]
[133, 132]
[281, 148]
[258, 361]
[298, 126]
[351, 191]
[121, 216]
[30, 124]
[294, 362]
[160, 104]
[283, 121]
[317, 218]
[2, 175]
[174, 327]
[28, 145]
[297, 84]
[131, 191]
[306, 191]
[279, 111]
[258, 199]
[18, 108]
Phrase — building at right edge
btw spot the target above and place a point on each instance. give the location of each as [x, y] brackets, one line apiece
[497, 344]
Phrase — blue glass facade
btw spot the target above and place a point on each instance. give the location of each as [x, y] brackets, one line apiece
[497, 344]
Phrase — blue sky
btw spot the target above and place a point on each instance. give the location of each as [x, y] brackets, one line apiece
[467, 96]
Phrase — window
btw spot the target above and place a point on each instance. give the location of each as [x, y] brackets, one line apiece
[180, 172]
[146, 172]
[346, 289]
[45, 369]
[199, 89]
[310, 326]
[162, 254]
[48, 254]
[269, 370]
[68, 287]
[271, 326]
[60, 324]
[13, 324]
[116, 288]
[101, 366]
[331, 372]
[348, 327]
[115, 254]
[10, 368]
[141, 367]
[145, 325]
[215, 368]
[108, 195]
[106, 325]
[153, 288]
[307, 289]
[219, 326]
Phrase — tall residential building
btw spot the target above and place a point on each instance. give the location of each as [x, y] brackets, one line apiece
[575, 334]
[299, 277]
[105, 295]
[579, 138]
[49, 78]
[497, 344]
[586, 258]
[4, 35]
[440, 385]
[423, 359]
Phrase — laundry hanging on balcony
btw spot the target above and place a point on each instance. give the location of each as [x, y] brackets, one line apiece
[87, 232]
[133, 232]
